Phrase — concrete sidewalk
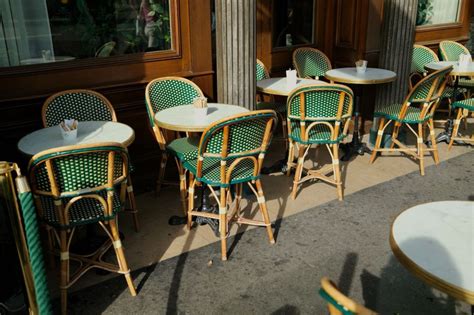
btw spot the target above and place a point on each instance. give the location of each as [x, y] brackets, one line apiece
[347, 241]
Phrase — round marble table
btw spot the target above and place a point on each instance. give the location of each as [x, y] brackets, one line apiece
[278, 86]
[88, 132]
[184, 118]
[351, 76]
[457, 70]
[435, 241]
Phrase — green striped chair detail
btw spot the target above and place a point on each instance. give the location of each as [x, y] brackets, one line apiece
[338, 303]
[279, 108]
[80, 185]
[310, 62]
[450, 51]
[160, 94]
[231, 153]
[82, 105]
[318, 115]
[417, 108]
[464, 107]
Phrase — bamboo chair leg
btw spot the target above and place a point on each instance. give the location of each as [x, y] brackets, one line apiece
[161, 172]
[192, 184]
[64, 271]
[378, 141]
[337, 170]
[421, 157]
[457, 121]
[291, 157]
[263, 208]
[238, 198]
[51, 242]
[182, 186]
[299, 170]
[117, 243]
[433, 141]
[396, 129]
[133, 204]
[284, 132]
[223, 223]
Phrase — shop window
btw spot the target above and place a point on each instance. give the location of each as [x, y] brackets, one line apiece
[433, 12]
[47, 31]
[293, 22]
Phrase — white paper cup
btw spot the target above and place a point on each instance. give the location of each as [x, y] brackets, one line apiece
[200, 113]
[70, 136]
[362, 68]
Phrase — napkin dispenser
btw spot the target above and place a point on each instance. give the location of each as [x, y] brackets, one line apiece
[291, 77]
[464, 60]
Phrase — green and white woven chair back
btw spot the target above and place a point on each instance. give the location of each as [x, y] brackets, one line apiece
[167, 92]
[79, 170]
[422, 56]
[82, 105]
[428, 88]
[329, 104]
[321, 102]
[261, 72]
[310, 62]
[450, 50]
[246, 134]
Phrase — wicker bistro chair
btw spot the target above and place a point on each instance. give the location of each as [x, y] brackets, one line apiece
[450, 51]
[338, 303]
[422, 56]
[231, 153]
[318, 115]
[279, 108]
[463, 107]
[79, 185]
[163, 93]
[417, 108]
[310, 63]
[84, 105]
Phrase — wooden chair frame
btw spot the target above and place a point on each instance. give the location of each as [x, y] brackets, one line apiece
[161, 138]
[64, 236]
[429, 105]
[50, 99]
[309, 49]
[225, 217]
[302, 149]
[330, 288]
[462, 114]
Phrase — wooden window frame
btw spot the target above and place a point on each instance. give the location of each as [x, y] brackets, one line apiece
[293, 47]
[446, 26]
[174, 53]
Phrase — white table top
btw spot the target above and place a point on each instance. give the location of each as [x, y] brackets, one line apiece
[278, 86]
[184, 117]
[468, 70]
[370, 76]
[88, 132]
[435, 241]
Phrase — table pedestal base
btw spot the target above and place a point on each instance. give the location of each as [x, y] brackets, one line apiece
[205, 207]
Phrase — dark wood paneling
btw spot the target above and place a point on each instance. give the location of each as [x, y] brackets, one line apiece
[22, 94]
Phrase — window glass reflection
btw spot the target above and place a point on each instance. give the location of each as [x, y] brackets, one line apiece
[292, 22]
[432, 12]
[43, 31]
